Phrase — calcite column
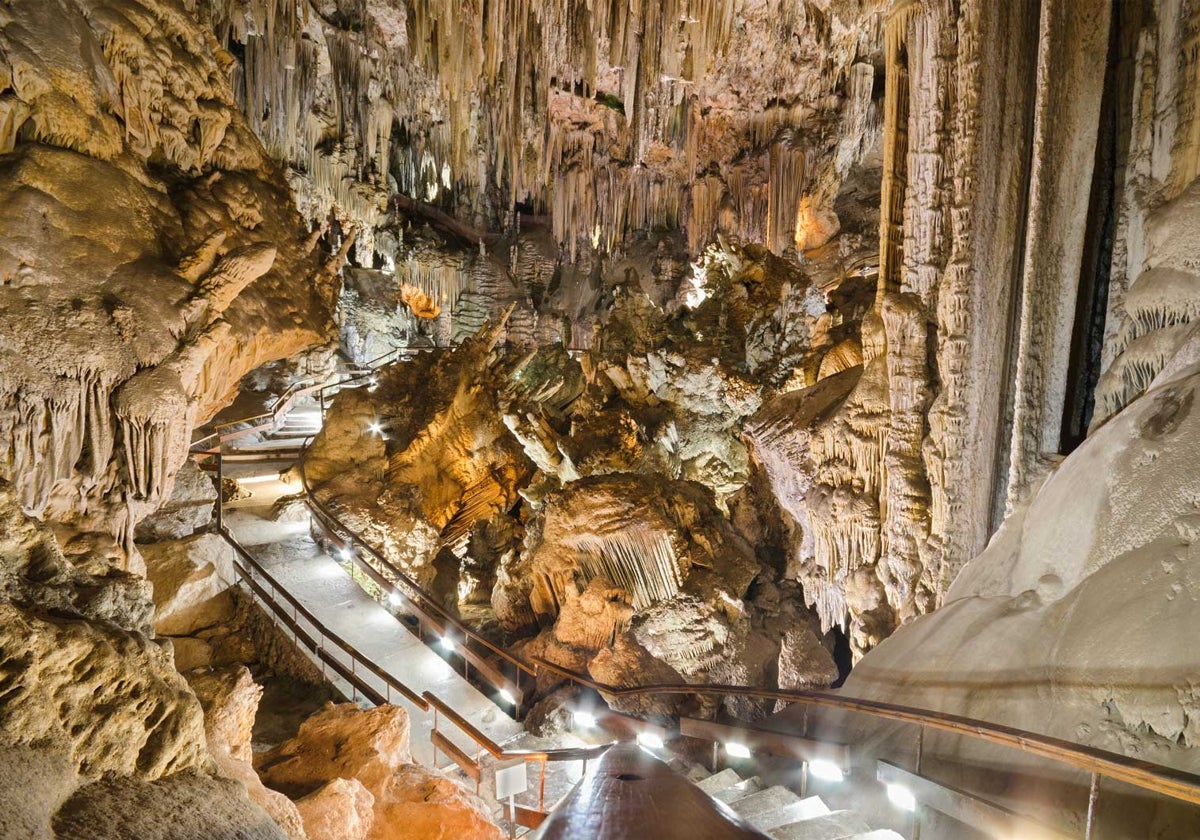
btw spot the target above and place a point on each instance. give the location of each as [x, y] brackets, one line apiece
[1072, 50]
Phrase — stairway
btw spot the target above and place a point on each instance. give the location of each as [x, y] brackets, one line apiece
[782, 814]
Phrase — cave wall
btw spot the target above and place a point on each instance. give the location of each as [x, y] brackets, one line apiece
[151, 255]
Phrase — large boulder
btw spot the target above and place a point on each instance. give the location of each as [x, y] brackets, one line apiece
[191, 579]
[343, 809]
[371, 747]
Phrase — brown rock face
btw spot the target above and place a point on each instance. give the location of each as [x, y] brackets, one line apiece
[190, 578]
[371, 747]
[341, 810]
[340, 742]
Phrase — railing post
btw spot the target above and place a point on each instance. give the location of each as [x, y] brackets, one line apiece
[220, 487]
[804, 779]
[435, 729]
[1093, 795]
[919, 810]
[542, 789]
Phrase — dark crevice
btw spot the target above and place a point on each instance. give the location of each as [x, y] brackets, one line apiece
[1087, 338]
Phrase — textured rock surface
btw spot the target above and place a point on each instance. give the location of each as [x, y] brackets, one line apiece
[371, 747]
[191, 578]
[104, 736]
[343, 809]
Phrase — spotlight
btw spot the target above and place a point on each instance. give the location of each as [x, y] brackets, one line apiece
[375, 428]
[650, 740]
[902, 797]
[736, 750]
[507, 697]
[345, 553]
[394, 599]
[826, 770]
[447, 644]
[583, 720]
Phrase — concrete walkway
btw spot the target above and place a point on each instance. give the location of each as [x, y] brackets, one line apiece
[286, 550]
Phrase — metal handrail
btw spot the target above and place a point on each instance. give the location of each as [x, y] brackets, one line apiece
[1178, 784]
[474, 766]
[322, 629]
[411, 589]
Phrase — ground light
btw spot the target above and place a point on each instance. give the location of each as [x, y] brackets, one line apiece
[902, 797]
[507, 697]
[583, 720]
[447, 644]
[650, 740]
[345, 553]
[736, 750]
[825, 770]
[394, 599]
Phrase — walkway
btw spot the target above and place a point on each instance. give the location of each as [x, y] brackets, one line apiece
[286, 550]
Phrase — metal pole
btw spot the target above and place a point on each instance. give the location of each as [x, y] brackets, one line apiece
[919, 811]
[804, 779]
[542, 789]
[715, 754]
[1093, 795]
[220, 487]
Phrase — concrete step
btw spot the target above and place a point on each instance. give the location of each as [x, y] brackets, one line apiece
[719, 781]
[838, 825]
[801, 809]
[879, 834]
[739, 791]
[771, 799]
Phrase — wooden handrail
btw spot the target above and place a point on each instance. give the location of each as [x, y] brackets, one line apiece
[1157, 778]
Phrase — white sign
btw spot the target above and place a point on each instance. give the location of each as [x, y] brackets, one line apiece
[511, 778]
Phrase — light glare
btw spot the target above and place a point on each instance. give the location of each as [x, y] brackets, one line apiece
[825, 770]
[736, 750]
[650, 740]
[507, 697]
[447, 644]
[902, 797]
[584, 720]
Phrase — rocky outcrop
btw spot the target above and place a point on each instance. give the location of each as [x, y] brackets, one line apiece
[406, 800]
[106, 736]
[191, 578]
[230, 700]
[156, 311]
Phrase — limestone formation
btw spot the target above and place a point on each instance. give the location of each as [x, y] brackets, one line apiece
[191, 578]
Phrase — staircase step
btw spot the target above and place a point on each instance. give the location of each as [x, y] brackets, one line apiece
[719, 781]
[879, 834]
[739, 791]
[771, 799]
[802, 809]
[838, 825]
